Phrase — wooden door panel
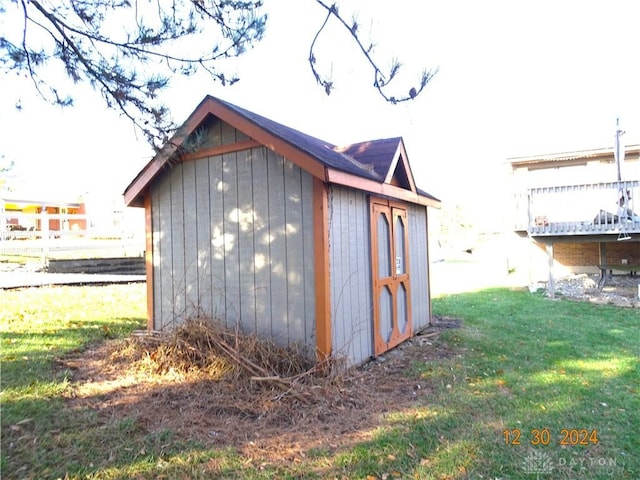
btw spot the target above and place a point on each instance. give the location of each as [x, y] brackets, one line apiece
[402, 302]
[385, 314]
[391, 281]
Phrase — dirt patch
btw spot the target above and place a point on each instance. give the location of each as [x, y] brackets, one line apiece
[262, 421]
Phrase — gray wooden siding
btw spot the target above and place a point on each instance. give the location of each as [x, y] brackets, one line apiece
[419, 265]
[350, 277]
[233, 239]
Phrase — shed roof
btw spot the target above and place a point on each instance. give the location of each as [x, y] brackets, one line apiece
[369, 166]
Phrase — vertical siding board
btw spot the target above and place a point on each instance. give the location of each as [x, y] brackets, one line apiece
[368, 255]
[277, 247]
[361, 286]
[231, 231]
[165, 317]
[228, 134]
[342, 272]
[345, 301]
[415, 259]
[365, 287]
[244, 217]
[217, 241]
[419, 266]
[157, 258]
[294, 251]
[335, 277]
[425, 267]
[351, 296]
[364, 320]
[261, 241]
[352, 328]
[190, 207]
[425, 270]
[352, 332]
[215, 133]
[241, 136]
[203, 240]
[308, 261]
[349, 268]
[177, 242]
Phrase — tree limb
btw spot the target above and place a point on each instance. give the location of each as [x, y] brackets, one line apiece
[380, 79]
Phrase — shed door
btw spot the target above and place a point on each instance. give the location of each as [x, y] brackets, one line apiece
[391, 285]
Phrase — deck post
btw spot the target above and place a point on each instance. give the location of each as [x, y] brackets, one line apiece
[602, 253]
[551, 285]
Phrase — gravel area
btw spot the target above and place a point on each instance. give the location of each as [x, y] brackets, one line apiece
[620, 290]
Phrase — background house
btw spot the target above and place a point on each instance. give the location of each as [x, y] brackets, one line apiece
[43, 227]
[24, 214]
[568, 205]
[287, 236]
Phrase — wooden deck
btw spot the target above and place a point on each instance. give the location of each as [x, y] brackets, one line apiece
[582, 209]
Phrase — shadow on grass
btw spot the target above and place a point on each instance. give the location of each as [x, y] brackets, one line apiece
[27, 356]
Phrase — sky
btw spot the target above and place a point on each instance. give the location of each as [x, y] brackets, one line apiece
[515, 78]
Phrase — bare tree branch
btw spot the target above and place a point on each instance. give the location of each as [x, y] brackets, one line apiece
[381, 80]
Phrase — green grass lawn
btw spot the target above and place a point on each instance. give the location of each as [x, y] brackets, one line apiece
[534, 388]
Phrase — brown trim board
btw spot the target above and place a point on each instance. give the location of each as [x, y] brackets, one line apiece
[321, 259]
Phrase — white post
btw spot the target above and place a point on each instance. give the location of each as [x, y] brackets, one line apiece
[3, 221]
[551, 286]
[44, 231]
[619, 150]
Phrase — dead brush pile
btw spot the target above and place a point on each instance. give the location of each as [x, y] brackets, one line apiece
[205, 349]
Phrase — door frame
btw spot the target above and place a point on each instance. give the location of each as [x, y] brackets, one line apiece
[392, 210]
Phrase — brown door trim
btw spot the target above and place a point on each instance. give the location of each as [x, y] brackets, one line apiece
[396, 280]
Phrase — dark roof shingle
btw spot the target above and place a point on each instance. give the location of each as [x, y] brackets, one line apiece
[325, 152]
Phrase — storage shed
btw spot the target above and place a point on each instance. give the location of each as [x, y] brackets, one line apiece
[285, 235]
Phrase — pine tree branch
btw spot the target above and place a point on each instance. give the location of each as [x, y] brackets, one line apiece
[381, 80]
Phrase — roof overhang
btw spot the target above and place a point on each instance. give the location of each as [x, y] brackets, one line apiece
[347, 179]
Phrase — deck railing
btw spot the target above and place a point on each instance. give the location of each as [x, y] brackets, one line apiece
[585, 209]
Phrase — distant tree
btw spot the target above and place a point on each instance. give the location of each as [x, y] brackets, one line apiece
[127, 50]
[458, 229]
